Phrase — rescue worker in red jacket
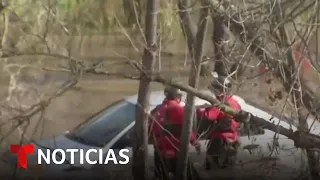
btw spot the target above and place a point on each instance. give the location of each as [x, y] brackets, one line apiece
[224, 136]
[165, 127]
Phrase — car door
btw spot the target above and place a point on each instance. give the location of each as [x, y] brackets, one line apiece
[125, 142]
[269, 154]
[250, 144]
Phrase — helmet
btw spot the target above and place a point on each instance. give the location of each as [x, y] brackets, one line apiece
[220, 83]
[171, 92]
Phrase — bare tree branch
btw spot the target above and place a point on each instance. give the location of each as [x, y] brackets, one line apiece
[35, 109]
[282, 71]
[295, 91]
[186, 23]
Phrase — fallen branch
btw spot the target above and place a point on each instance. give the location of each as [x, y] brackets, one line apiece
[300, 139]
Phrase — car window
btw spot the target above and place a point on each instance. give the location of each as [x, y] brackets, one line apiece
[125, 141]
[104, 126]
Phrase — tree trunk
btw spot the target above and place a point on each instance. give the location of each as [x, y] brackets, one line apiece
[140, 149]
[216, 63]
[313, 162]
[219, 50]
[187, 26]
[196, 57]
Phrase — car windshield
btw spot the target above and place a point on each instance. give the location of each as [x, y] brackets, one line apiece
[104, 126]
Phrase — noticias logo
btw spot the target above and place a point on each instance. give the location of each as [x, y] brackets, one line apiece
[59, 156]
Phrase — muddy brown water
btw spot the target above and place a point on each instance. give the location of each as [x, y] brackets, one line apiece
[93, 91]
[97, 91]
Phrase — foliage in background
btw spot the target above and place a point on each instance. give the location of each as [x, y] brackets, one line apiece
[169, 27]
[87, 17]
[100, 16]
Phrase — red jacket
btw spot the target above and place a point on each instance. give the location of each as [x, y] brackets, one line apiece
[215, 114]
[170, 112]
[230, 101]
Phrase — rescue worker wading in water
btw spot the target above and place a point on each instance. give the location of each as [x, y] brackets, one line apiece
[224, 135]
[165, 130]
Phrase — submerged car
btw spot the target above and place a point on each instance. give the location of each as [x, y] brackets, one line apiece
[111, 128]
